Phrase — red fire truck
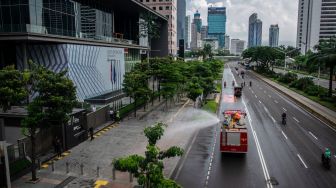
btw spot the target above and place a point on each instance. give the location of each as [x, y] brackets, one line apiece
[233, 137]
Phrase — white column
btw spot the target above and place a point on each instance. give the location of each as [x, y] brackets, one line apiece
[3, 147]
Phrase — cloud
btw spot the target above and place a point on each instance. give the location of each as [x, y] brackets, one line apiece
[281, 12]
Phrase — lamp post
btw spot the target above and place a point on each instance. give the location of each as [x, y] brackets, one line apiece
[284, 52]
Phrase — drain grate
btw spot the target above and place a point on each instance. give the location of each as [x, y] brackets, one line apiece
[273, 181]
[65, 182]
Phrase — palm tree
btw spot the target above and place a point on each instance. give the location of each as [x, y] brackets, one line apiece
[326, 56]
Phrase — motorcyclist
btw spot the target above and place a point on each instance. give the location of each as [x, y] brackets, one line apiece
[327, 153]
[283, 118]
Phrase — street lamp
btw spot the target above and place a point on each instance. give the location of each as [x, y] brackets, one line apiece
[285, 54]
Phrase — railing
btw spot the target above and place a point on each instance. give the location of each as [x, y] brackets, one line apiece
[30, 28]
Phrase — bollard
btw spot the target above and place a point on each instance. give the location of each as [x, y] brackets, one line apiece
[39, 164]
[67, 167]
[52, 166]
[97, 171]
[224, 84]
[250, 83]
[131, 177]
[82, 168]
[113, 173]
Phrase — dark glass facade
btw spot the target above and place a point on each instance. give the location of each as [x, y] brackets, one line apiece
[57, 17]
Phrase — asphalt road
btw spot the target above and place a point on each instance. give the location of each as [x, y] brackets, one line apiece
[278, 156]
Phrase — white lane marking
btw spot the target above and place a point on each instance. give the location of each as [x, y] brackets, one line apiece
[255, 96]
[276, 101]
[252, 91]
[335, 156]
[259, 101]
[264, 91]
[284, 135]
[269, 96]
[260, 153]
[296, 120]
[304, 164]
[284, 109]
[313, 135]
[273, 119]
[289, 101]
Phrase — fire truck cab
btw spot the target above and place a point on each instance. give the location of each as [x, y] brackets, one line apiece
[233, 136]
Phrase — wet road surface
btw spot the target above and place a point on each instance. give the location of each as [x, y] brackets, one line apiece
[278, 156]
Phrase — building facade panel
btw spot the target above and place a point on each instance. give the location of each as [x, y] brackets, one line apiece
[255, 31]
[274, 35]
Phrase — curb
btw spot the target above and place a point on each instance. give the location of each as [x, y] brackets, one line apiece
[304, 106]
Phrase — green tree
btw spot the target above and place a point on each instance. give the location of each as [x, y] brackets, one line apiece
[326, 56]
[148, 169]
[135, 85]
[194, 89]
[12, 87]
[149, 25]
[264, 56]
[207, 51]
[55, 100]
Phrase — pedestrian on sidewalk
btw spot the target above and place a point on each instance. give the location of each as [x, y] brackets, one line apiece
[91, 133]
[111, 113]
[118, 116]
[59, 147]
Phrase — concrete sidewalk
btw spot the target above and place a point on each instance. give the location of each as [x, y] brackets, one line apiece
[112, 142]
[322, 112]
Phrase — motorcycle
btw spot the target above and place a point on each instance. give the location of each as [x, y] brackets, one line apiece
[326, 162]
[283, 121]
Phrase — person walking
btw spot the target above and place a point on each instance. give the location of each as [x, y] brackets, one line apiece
[118, 116]
[91, 133]
[59, 147]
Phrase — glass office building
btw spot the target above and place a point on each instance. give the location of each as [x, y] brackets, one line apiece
[92, 39]
[217, 24]
[255, 31]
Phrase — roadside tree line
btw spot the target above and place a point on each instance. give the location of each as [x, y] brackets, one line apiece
[172, 79]
[48, 97]
[324, 57]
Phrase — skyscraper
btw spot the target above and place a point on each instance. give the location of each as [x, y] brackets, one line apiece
[237, 46]
[181, 14]
[227, 42]
[255, 31]
[217, 24]
[274, 35]
[168, 9]
[187, 32]
[204, 32]
[315, 21]
[196, 31]
[197, 21]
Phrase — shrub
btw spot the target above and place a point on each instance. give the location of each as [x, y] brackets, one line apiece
[302, 83]
[18, 166]
[288, 78]
[312, 90]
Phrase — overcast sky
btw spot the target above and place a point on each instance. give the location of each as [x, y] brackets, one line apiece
[281, 12]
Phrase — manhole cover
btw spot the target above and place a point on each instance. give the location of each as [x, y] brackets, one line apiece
[273, 181]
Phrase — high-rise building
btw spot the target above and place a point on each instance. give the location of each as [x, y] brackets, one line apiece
[217, 24]
[198, 21]
[187, 32]
[274, 35]
[181, 14]
[237, 46]
[227, 42]
[168, 9]
[315, 21]
[93, 40]
[255, 31]
[204, 32]
[196, 31]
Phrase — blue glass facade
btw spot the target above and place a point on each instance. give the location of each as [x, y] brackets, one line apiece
[217, 24]
[255, 31]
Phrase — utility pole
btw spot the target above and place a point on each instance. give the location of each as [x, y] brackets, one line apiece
[3, 152]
